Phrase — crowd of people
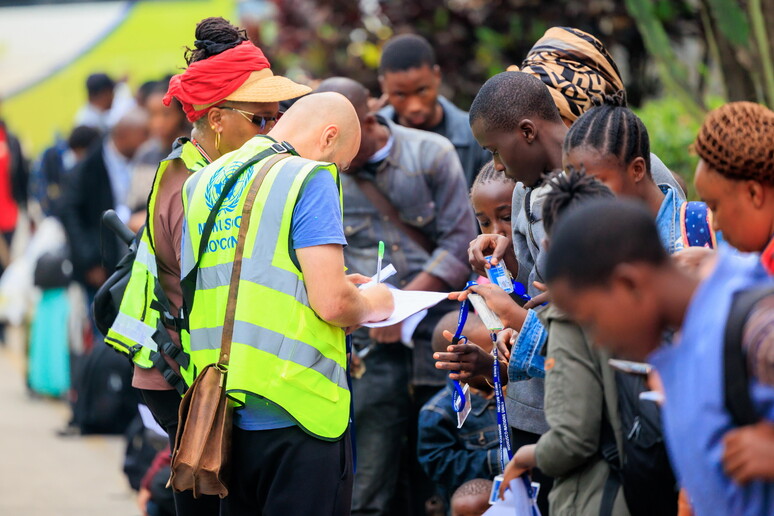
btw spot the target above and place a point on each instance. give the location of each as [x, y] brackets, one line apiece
[630, 366]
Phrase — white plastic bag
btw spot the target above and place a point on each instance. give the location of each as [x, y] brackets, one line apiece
[17, 289]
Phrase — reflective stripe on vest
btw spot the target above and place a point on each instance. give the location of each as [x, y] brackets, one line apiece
[281, 349]
[132, 331]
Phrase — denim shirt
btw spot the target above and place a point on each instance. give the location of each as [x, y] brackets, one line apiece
[668, 220]
[423, 180]
[452, 456]
[695, 417]
[456, 127]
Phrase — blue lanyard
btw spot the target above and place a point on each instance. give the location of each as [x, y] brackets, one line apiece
[502, 418]
[458, 396]
[506, 454]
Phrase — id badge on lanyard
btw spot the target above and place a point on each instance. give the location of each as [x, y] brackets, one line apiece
[459, 396]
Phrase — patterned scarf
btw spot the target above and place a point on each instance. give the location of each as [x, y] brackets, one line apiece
[575, 66]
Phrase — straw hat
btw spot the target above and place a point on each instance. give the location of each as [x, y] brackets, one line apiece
[264, 86]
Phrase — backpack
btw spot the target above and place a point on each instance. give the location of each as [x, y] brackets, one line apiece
[644, 471]
[142, 446]
[108, 298]
[107, 303]
[106, 402]
[738, 400]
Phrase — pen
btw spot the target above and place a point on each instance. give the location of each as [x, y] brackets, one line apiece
[379, 261]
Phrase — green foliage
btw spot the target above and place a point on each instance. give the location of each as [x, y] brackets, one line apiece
[672, 129]
[673, 73]
[731, 21]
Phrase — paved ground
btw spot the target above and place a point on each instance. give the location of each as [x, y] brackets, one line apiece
[42, 474]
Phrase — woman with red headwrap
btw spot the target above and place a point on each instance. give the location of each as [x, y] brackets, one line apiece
[231, 95]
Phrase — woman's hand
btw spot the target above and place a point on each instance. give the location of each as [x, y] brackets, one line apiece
[522, 461]
[748, 453]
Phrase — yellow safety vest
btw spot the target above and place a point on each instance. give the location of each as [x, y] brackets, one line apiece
[281, 349]
[140, 326]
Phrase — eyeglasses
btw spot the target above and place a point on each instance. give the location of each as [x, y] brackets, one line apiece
[260, 121]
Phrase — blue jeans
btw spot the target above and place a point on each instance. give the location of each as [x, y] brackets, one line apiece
[382, 415]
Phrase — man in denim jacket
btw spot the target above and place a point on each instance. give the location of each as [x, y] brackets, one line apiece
[421, 176]
[410, 78]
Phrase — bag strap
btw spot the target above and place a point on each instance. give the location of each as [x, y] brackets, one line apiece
[386, 208]
[608, 449]
[236, 270]
[737, 378]
[188, 283]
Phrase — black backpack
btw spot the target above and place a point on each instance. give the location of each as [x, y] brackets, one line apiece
[106, 402]
[644, 471]
[738, 400]
[142, 445]
[108, 298]
[107, 302]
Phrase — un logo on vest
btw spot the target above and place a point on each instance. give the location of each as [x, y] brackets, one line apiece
[218, 181]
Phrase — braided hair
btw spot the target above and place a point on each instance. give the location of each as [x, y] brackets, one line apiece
[568, 190]
[213, 36]
[612, 129]
[737, 140]
[489, 174]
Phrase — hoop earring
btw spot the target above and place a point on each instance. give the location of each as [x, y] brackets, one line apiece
[217, 141]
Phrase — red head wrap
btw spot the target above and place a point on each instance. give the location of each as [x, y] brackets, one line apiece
[211, 80]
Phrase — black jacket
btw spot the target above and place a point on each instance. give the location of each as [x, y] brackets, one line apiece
[86, 196]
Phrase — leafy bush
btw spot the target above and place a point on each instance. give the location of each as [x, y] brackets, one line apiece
[672, 130]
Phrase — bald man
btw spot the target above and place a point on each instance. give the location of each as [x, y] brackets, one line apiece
[290, 450]
[322, 127]
[420, 175]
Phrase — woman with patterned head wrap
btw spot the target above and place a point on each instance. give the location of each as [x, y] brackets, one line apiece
[231, 95]
[575, 66]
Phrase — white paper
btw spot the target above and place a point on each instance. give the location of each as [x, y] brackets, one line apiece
[387, 272]
[149, 422]
[407, 303]
[517, 502]
[409, 327]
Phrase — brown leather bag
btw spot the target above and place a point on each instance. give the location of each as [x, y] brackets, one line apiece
[200, 461]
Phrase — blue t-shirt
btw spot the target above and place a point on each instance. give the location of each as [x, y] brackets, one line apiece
[316, 221]
[695, 416]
